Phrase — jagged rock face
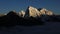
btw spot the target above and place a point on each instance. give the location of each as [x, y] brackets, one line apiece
[22, 13]
[32, 12]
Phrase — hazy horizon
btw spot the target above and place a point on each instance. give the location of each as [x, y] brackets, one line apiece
[18, 5]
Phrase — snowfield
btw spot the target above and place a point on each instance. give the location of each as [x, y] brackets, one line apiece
[48, 28]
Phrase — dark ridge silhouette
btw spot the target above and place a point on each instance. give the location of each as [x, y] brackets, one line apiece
[30, 21]
[9, 19]
[54, 18]
[12, 19]
[27, 12]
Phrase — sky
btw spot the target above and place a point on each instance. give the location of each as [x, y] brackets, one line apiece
[18, 5]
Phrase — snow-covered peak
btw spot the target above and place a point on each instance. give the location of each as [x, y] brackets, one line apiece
[32, 11]
[22, 13]
[46, 12]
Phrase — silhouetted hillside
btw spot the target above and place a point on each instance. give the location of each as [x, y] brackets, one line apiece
[13, 19]
[9, 19]
[54, 18]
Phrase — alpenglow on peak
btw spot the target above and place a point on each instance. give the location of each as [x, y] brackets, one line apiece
[34, 12]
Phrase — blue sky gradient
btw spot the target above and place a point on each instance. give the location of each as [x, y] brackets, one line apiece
[18, 5]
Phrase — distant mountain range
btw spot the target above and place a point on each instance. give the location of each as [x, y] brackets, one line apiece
[32, 16]
[34, 12]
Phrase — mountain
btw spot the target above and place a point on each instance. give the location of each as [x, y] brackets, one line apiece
[32, 12]
[32, 16]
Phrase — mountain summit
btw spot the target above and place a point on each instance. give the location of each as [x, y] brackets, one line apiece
[34, 12]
